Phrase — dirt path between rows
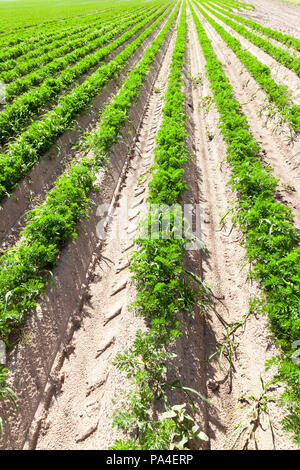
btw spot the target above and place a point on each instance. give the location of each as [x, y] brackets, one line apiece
[46, 331]
[32, 189]
[84, 388]
[276, 43]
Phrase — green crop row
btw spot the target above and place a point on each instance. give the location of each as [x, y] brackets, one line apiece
[13, 118]
[44, 39]
[269, 238]
[277, 94]
[23, 42]
[10, 67]
[282, 56]
[24, 270]
[74, 25]
[226, 6]
[52, 228]
[229, 5]
[35, 78]
[164, 292]
[13, 69]
[271, 33]
[28, 37]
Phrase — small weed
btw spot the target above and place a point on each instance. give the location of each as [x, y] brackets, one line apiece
[256, 414]
[205, 103]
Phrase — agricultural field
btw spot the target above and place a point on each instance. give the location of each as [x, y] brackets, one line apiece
[149, 225]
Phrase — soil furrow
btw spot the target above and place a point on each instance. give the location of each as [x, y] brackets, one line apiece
[35, 347]
[281, 16]
[276, 43]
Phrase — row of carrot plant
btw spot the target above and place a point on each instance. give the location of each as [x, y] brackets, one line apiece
[35, 59]
[283, 57]
[164, 292]
[270, 239]
[11, 51]
[277, 94]
[25, 269]
[39, 137]
[15, 116]
[271, 33]
[6, 67]
[23, 41]
[91, 43]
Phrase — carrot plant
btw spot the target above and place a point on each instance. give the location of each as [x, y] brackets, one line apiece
[36, 58]
[282, 56]
[19, 74]
[15, 116]
[18, 45]
[26, 151]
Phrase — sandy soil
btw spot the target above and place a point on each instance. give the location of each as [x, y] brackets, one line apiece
[283, 158]
[276, 15]
[32, 189]
[45, 332]
[260, 34]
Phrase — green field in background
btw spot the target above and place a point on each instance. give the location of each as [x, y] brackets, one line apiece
[23, 13]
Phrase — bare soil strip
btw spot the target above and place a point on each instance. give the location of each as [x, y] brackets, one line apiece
[260, 34]
[275, 15]
[82, 403]
[61, 363]
[282, 75]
